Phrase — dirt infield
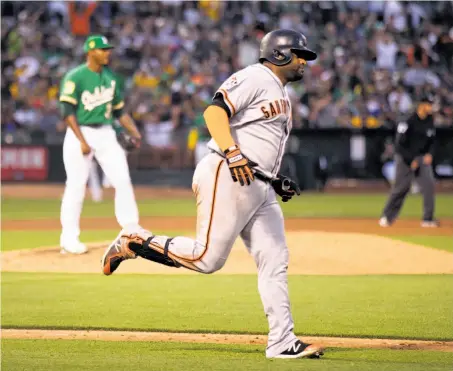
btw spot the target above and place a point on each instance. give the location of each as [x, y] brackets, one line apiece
[334, 342]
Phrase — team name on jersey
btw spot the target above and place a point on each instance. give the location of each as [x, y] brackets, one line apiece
[100, 96]
[277, 107]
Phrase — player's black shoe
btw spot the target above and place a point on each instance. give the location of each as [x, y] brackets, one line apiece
[302, 350]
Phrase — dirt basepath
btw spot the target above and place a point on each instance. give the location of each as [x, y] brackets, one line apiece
[40, 191]
[49, 190]
[334, 342]
[368, 226]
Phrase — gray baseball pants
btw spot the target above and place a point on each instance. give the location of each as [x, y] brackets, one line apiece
[403, 179]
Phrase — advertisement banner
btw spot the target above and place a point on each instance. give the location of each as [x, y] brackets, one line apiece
[24, 163]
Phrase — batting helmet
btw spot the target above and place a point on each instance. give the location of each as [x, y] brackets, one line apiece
[277, 46]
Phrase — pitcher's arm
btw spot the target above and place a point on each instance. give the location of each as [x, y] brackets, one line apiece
[68, 112]
[127, 122]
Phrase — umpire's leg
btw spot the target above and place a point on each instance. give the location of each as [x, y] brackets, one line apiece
[403, 179]
[426, 181]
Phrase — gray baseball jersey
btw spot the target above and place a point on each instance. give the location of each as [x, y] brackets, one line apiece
[260, 116]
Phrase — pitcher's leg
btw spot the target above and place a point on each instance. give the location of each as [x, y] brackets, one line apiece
[427, 185]
[77, 168]
[264, 237]
[113, 162]
[403, 179]
[94, 183]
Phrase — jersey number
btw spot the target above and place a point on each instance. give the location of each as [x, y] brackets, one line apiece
[108, 111]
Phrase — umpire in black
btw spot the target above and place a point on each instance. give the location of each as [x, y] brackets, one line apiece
[414, 145]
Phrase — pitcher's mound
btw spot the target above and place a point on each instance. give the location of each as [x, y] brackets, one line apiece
[314, 253]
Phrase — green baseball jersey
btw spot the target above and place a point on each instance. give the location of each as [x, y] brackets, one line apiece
[94, 94]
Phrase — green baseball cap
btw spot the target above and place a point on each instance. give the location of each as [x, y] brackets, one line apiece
[96, 42]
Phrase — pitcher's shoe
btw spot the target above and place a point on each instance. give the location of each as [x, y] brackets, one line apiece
[302, 350]
[116, 253]
[76, 247]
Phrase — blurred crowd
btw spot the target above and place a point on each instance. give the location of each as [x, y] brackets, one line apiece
[375, 60]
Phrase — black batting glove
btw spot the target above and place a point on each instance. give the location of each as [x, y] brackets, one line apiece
[285, 187]
[240, 166]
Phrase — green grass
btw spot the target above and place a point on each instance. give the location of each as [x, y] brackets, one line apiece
[307, 205]
[360, 205]
[52, 355]
[18, 240]
[436, 242]
[13, 209]
[370, 306]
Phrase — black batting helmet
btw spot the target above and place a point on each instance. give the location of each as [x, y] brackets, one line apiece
[277, 46]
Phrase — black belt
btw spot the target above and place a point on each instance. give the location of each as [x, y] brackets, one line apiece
[95, 126]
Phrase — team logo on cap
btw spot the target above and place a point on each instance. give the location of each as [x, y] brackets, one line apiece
[91, 44]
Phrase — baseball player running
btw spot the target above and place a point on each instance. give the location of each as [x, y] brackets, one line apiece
[413, 159]
[90, 99]
[249, 120]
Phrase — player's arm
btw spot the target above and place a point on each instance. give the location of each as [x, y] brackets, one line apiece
[131, 138]
[402, 143]
[234, 95]
[217, 121]
[69, 117]
[128, 123]
[68, 106]
[118, 112]
[430, 147]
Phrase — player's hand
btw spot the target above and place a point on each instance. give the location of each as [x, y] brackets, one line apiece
[240, 166]
[86, 150]
[285, 187]
[128, 142]
[414, 165]
[137, 140]
[428, 159]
